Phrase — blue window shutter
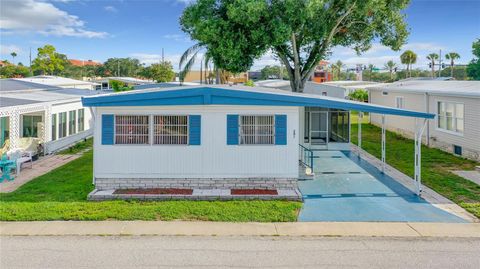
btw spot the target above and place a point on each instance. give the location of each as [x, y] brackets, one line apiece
[107, 129]
[232, 129]
[194, 129]
[280, 129]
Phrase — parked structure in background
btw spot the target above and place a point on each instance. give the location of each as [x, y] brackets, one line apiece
[199, 77]
[83, 62]
[105, 84]
[321, 73]
[456, 104]
[53, 114]
[54, 81]
[337, 89]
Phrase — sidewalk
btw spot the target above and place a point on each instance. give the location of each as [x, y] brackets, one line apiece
[40, 167]
[197, 228]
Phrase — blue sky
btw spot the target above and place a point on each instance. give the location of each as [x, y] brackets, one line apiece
[102, 29]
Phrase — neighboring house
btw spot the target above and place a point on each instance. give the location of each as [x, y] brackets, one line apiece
[55, 115]
[456, 105]
[84, 63]
[321, 73]
[54, 81]
[323, 89]
[105, 83]
[215, 137]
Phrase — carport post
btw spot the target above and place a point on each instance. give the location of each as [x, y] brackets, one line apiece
[383, 143]
[418, 155]
[360, 119]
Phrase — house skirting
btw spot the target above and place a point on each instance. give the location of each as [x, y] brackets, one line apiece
[197, 183]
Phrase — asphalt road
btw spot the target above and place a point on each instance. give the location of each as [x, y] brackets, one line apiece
[236, 252]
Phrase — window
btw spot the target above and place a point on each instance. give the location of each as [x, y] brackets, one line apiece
[62, 124]
[170, 130]
[257, 130]
[130, 129]
[384, 93]
[81, 120]
[54, 127]
[72, 122]
[30, 125]
[399, 102]
[450, 116]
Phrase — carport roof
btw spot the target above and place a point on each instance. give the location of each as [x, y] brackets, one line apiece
[237, 95]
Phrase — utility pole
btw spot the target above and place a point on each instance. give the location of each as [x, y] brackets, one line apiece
[163, 56]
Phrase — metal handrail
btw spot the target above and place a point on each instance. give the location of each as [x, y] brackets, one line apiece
[306, 156]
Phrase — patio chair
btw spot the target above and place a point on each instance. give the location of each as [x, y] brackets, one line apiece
[7, 168]
[5, 147]
[20, 156]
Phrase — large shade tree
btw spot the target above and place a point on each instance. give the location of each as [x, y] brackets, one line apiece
[299, 32]
[473, 68]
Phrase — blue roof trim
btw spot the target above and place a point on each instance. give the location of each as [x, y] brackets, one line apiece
[221, 96]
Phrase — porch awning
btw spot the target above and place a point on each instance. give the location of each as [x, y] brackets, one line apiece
[237, 95]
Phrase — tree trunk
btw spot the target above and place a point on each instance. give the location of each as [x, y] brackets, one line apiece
[451, 68]
[296, 65]
[217, 76]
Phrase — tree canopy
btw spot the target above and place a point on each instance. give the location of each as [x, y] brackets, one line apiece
[162, 72]
[49, 61]
[299, 32]
[473, 68]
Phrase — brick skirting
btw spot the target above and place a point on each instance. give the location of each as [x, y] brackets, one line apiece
[197, 183]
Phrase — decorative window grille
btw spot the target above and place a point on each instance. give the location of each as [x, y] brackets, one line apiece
[170, 130]
[257, 130]
[132, 129]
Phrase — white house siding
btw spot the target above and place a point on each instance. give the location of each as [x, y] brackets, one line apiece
[213, 159]
[469, 140]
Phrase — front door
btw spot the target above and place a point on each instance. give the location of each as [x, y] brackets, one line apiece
[318, 127]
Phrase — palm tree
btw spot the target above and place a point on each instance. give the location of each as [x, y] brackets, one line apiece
[338, 66]
[188, 58]
[390, 66]
[408, 58]
[13, 54]
[370, 67]
[452, 56]
[432, 57]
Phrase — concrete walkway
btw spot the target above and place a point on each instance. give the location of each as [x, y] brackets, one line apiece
[473, 176]
[41, 166]
[428, 194]
[200, 228]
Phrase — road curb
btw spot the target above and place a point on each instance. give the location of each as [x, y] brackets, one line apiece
[197, 228]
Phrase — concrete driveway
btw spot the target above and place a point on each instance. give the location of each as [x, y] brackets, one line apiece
[348, 189]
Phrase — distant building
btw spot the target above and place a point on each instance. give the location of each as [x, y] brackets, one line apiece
[53, 114]
[105, 83]
[84, 63]
[255, 75]
[456, 104]
[322, 89]
[60, 82]
[197, 76]
[321, 73]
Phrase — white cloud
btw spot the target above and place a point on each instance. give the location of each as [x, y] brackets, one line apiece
[111, 9]
[178, 38]
[42, 17]
[7, 49]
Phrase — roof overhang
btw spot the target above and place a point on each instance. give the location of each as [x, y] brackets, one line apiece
[225, 96]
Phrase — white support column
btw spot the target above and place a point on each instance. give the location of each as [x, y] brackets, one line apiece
[14, 128]
[383, 143]
[418, 155]
[360, 119]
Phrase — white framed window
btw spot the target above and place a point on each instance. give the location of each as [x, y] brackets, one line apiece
[132, 129]
[62, 124]
[170, 130]
[72, 122]
[81, 120]
[257, 130]
[450, 116]
[399, 102]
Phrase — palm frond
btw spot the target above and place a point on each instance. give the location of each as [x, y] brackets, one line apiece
[193, 50]
[188, 66]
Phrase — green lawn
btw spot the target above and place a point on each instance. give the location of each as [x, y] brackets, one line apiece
[436, 165]
[61, 195]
